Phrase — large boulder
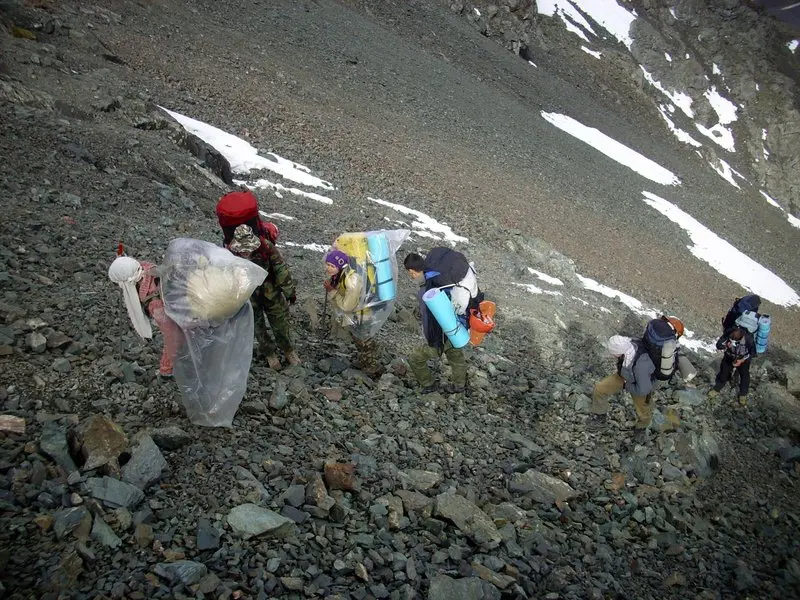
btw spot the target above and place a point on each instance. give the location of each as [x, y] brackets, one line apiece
[470, 519]
[541, 487]
[785, 406]
[251, 520]
[101, 442]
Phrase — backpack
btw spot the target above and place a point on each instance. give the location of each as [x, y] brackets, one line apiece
[661, 344]
[451, 265]
[740, 305]
[241, 208]
[748, 320]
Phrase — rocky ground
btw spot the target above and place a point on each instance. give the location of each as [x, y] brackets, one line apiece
[330, 484]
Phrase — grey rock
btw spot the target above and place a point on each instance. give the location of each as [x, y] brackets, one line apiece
[113, 492]
[280, 397]
[793, 378]
[36, 342]
[103, 534]
[690, 397]
[671, 473]
[145, 465]
[541, 487]
[295, 495]
[783, 404]
[187, 572]
[170, 438]
[470, 519]
[524, 442]
[295, 514]
[62, 365]
[469, 588]
[57, 339]
[420, 480]
[207, 535]
[53, 443]
[72, 520]
[251, 520]
[507, 512]
[247, 479]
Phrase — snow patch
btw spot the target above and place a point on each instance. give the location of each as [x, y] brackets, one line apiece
[792, 46]
[243, 157]
[715, 69]
[629, 301]
[265, 184]
[312, 247]
[725, 171]
[724, 257]
[611, 16]
[613, 149]
[532, 289]
[572, 19]
[533, 64]
[545, 277]
[726, 112]
[597, 55]
[770, 199]
[277, 216]
[667, 56]
[680, 99]
[679, 133]
[423, 224]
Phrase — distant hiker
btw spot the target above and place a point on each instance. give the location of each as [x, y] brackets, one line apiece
[140, 287]
[636, 374]
[447, 269]
[344, 287]
[246, 235]
[744, 312]
[739, 349]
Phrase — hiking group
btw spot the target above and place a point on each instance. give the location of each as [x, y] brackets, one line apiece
[361, 278]
[644, 363]
[360, 286]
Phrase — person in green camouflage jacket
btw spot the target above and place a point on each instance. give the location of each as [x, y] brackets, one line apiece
[272, 298]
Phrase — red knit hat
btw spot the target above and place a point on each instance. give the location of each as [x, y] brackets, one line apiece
[235, 208]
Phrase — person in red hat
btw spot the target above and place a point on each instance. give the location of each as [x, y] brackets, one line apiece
[246, 235]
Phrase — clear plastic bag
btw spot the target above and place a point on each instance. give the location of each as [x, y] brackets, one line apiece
[203, 284]
[206, 291]
[212, 367]
[373, 264]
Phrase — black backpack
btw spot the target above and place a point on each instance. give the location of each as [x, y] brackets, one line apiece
[660, 343]
[740, 305]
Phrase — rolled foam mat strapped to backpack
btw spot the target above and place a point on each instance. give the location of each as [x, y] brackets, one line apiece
[762, 334]
[442, 310]
[381, 257]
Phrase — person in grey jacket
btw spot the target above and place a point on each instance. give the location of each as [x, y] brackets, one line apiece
[635, 374]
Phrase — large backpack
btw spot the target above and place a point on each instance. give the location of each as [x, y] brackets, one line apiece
[241, 208]
[740, 305]
[661, 344]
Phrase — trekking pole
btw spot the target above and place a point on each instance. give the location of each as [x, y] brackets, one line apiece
[323, 332]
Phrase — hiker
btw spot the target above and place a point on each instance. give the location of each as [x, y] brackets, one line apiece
[739, 349]
[344, 286]
[247, 236]
[635, 374]
[447, 269]
[141, 288]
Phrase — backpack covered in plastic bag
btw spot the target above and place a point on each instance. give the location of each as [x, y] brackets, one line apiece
[206, 291]
[372, 258]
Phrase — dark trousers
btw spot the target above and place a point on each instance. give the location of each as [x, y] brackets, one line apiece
[726, 372]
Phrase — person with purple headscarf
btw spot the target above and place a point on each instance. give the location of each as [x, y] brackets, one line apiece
[344, 287]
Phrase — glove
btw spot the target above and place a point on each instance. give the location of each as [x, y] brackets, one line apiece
[329, 287]
[293, 298]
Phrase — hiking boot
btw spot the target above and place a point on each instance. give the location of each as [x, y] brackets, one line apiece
[712, 394]
[597, 422]
[453, 389]
[743, 400]
[273, 362]
[292, 358]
